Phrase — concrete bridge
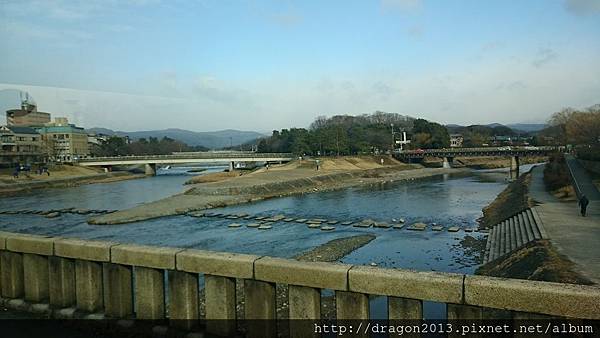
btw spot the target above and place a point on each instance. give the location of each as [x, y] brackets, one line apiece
[448, 154]
[150, 161]
[72, 278]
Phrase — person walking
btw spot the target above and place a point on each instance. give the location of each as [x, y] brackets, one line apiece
[317, 162]
[583, 203]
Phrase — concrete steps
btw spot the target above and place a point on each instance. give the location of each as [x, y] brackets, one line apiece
[513, 233]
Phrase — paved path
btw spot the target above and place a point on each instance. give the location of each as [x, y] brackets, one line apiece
[572, 235]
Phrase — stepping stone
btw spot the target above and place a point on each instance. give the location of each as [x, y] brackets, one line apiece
[267, 223]
[437, 228]
[381, 225]
[301, 220]
[288, 219]
[83, 211]
[453, 229]
[248, 218]
[362, 225]
[320, 220]
[232, 217]
[346, 223]
[196, 214]
[332, 222]
[219, 215]
[418, 226]
[278, 217]
[469, 229]
[253, 225]
[327, 228]
[264, 227]
[314, 225]
[242, 215]
[398, 226]
[211, 214]
[234, 225]
[260, 218]
[313, 221]
[52, 215]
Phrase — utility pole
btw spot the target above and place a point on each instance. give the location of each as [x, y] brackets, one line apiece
[393, 140]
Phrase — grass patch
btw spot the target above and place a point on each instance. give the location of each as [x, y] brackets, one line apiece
[537, 260]
[512, 200]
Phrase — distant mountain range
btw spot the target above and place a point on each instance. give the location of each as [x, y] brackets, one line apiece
[210, 139]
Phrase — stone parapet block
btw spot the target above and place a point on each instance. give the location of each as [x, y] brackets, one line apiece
[556, 299]
[312, 274]
[216, 263]
[24, 243]
[83, 249]
[144, 256]
[432, 286]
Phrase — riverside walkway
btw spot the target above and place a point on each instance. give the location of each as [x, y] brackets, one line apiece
[574, 236]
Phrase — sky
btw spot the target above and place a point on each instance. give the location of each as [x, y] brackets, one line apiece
[262, 65]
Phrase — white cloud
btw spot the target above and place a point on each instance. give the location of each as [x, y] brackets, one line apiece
[544, 56]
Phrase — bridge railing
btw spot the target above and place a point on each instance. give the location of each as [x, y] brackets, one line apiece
[207, 155]
[128, 281]
[507, 149]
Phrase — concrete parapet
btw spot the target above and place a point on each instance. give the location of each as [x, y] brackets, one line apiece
[118, 294]
[83, 250]
[459, 311]
[311, 274]
[351, 305]
[305, 305]
[31, 244]
[144, 256]
[260, 303]
[35, 277]
[555, 299]
[183, 298]
[88, 281]
[61, 281]
[404, 308]
[11, 279]
[149, 288]
[3, 236]
[216, 263]
[220, 305]
[432, 286]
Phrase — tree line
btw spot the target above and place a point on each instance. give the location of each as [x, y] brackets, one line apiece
[118, 146]
[351, 135]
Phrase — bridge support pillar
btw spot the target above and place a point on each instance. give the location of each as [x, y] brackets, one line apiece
[150, 169]
[447, 163]
[231, 166]
[514, 167]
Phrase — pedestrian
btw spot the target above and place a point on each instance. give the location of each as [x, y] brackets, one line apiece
[317, 162]
[267, 166]
[583, 203]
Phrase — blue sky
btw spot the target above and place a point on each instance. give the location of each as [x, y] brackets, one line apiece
[205, 65]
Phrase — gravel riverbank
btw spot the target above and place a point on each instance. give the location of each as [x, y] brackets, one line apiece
[267, 184]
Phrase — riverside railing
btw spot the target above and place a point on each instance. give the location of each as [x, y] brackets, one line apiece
[199, 155]
[128, 281]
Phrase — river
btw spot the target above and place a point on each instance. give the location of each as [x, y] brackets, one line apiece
[447, 200]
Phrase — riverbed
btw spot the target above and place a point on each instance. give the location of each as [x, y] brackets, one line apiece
[446, 200]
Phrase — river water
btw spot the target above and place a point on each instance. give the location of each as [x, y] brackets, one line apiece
[447, 200]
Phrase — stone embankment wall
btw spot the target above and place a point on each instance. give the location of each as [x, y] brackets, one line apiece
[71, 277]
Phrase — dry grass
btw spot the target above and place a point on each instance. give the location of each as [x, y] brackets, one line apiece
[511, 200]
[536, 261]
